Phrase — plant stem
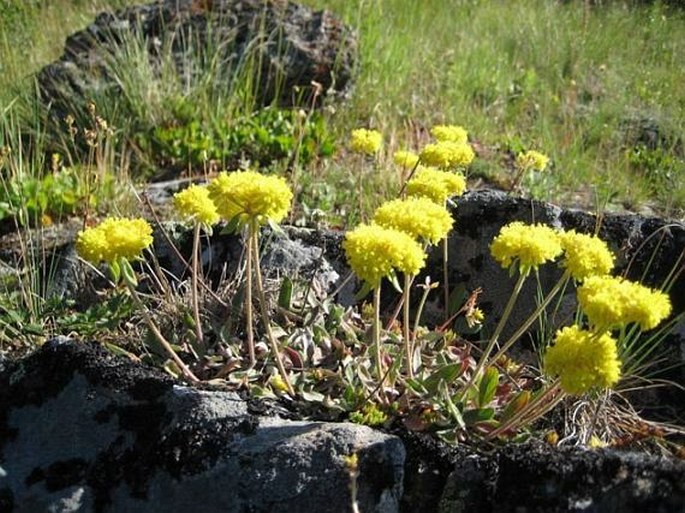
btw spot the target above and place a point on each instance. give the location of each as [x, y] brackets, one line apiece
[419, 312]
[265, 314]
[194, 273]
[498, 330]
[445, 277]
[531, 319]
[248, 300]
[524, 413]
[408, 346]
[377, 332]
[158, 334]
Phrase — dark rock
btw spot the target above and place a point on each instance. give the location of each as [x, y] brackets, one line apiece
[82, 430]
[536, 478]
[293, 44]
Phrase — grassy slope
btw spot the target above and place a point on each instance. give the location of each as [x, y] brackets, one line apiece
[533, 73]
[527, 74]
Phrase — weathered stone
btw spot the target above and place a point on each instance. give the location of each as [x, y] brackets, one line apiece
[293, 44]
[81, 430]
[537, 478]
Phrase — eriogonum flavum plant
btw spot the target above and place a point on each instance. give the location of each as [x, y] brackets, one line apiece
[114, 238]
[610, 302]
[527, 246]
[585, 255]
[194, 203]
[532, 161]
[419, 217]
[447, 154]
[251, 197]
[435, 184]
[452, 133]
[406, 159]
[583, 360]
[374, 253]
[365, 141]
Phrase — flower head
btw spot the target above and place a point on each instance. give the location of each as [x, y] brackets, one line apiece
[452, 133]
[374, 253]
[365, 141]
[532, 160]
[194, 203]
[419, 217]
[436, 185]
[610, 302]
[583, 360]
[114, 238]
[406, 159]
[250, 196]
[585, 255]
[527, 245]
[445, 154]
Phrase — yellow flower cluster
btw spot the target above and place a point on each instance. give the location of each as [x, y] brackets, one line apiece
[452, 133]
[532, 160]
[250, 196]
[406, 159]
[114, 238]
[436, 185]
[447, 154]
[527, 245]
[366, 141]
[585, 255]
[194, 203]
[610, 302]
[419, 217]
[583, 360]
[374, 253]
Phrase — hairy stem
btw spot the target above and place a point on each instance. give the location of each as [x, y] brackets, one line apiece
[158, 334]
[265, 314]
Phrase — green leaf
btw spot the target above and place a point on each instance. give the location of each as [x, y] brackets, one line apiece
[515, 405]
[363, 292]
[488, 387]
[445, 374]
[451, 407]
[128, 273]
[472, 417]
[115, 271]
[392, 278]
[275, 227]
[285, 295]
[233, 226]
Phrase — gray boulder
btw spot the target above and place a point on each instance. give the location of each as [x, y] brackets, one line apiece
[81, 430]
[294, 47]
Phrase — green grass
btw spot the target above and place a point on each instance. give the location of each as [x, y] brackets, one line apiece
[533, 74]
[553, 76]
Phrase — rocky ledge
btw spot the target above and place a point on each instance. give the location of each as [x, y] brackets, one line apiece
[84, 431]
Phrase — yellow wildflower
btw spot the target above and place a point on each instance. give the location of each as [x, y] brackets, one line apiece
[114, 238]
[583, 360]
[374, 253]
[194, 203]
[452, 133]
[527, 245]
[532, 160]
[585, 255]
[445, 154]
[611, 302]
[366, 141]
[474, 317]
[436, 185]
[406, 159]
[250, 196]
[419, 217]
